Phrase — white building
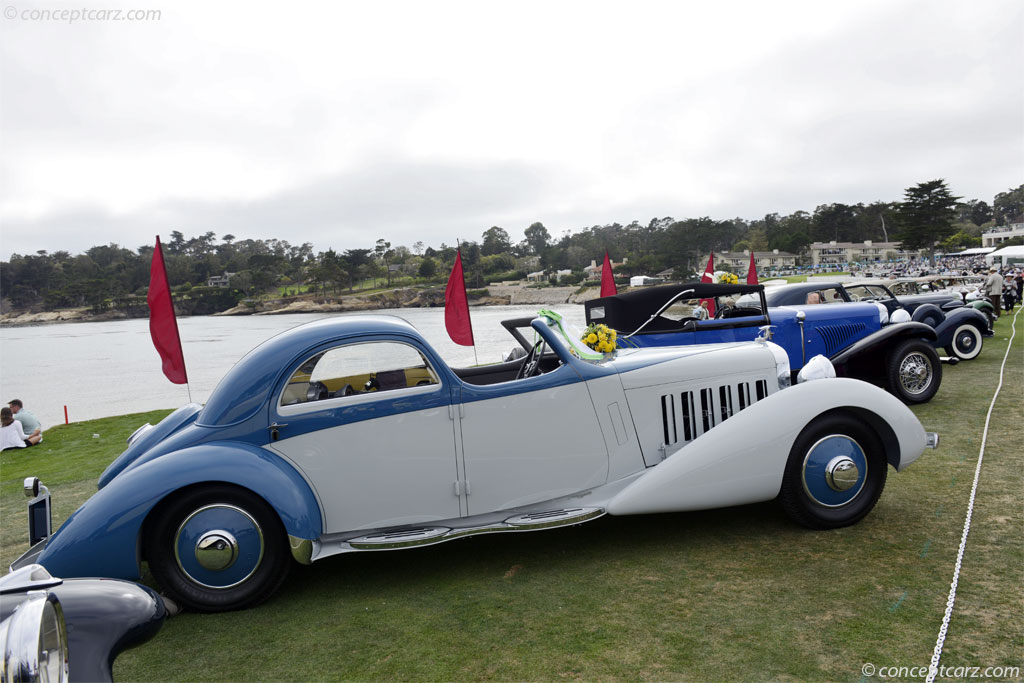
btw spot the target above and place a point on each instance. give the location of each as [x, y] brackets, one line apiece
[542, 275]
[995, 236]
[739, 261]
[838, 253]
[593, 271]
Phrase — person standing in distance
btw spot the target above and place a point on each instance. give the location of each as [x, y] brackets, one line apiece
[994, 289]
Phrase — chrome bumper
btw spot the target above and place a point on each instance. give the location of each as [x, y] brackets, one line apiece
[931, 439]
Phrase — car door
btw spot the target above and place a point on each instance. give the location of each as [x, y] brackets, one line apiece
[530, 440]
[369, 424]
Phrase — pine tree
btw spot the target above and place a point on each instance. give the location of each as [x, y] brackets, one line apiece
[926, 215]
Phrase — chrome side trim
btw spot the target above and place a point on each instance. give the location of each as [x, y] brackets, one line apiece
[302, 549]
[423, 536]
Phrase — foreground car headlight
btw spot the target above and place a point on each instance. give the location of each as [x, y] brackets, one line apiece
[34, 641]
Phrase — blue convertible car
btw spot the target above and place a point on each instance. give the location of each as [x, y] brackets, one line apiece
[854, 336]
[351, 434]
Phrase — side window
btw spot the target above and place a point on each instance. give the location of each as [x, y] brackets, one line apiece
[681, 309]
[354, 369]
[879, 293]
[831, 296]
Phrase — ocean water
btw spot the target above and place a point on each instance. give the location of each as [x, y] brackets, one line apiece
[111, 368]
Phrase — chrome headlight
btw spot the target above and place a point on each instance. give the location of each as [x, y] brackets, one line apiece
[782, 369]
[34, 640]
[138, 433]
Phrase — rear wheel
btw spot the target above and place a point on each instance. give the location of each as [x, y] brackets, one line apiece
[913, 371]
[218, 548]
[966, 344]
[835, 473]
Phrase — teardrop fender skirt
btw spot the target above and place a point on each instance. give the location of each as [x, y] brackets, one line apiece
[102, 538]
[742, 460]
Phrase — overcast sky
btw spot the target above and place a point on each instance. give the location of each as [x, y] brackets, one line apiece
[341, 123]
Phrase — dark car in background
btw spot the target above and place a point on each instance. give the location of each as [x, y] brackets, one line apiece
[60, 630]
[854, 337]
[959, 329]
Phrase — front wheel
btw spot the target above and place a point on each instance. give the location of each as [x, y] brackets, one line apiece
[217, 548]
[966, 344]
[835, 473]
[913, 371]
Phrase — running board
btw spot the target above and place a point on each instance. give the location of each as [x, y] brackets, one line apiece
[421, 536]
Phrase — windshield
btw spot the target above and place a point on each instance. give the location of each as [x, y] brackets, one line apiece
[570, 334]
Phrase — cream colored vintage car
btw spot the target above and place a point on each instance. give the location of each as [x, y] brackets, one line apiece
[299, 456]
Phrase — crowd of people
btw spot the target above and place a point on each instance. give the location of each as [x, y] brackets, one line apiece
[18, 427]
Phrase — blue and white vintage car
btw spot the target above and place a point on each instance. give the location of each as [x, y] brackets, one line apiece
[350, 434]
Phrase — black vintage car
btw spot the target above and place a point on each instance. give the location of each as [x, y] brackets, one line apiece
[959, 329]
[71, 630]
[57, 630]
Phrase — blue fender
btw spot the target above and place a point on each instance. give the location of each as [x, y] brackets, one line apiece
[954, 319]
[102, 538]
[181, 417]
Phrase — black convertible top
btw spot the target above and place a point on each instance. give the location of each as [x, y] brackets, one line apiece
[632, 309]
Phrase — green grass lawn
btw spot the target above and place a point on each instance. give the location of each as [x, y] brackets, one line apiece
[734, 594]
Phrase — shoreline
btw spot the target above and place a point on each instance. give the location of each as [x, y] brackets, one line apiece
[497, 295]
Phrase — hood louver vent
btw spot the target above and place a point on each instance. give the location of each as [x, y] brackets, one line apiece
[835, 336]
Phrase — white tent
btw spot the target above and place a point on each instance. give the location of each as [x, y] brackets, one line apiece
[1005, 256]
[974, 251]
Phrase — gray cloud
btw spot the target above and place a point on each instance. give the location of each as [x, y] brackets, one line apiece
[614, 122]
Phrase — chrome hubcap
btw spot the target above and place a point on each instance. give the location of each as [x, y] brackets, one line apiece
[841, 473]
[219, 546]
[216, 550]
[915, 373]
[834, 471]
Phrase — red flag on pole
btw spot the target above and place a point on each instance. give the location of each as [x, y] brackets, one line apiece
[752, 271]
[709, 276]
[456, 306]
[607, 279]
[163, 326]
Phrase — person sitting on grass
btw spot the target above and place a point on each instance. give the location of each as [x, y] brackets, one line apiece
[29, 422]
[11, 433]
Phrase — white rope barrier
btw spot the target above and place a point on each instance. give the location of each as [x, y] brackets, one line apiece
[933, 670]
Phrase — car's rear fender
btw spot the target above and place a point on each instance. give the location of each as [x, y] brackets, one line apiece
[743, 460]
[103, 537]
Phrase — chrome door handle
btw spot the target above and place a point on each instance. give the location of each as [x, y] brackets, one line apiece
[274, 430]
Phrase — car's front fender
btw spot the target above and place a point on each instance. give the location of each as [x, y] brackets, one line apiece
[102, 538]
[743, 459]
[869, 347]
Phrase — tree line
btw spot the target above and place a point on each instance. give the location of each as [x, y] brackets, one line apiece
[112, 276]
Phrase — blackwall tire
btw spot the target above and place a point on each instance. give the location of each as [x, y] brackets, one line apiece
[217, 548]
[913, 371]
[818, 497]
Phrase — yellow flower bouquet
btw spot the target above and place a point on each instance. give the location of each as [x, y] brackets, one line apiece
[727, 278]
[600, 337]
